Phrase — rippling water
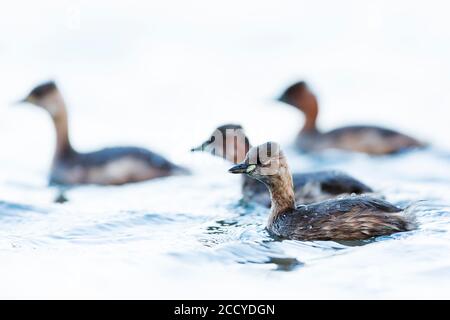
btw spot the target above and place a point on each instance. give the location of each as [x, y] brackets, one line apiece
[194, 237]
[148, 75]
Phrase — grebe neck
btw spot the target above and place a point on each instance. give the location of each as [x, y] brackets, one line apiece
[61, 123]
[311, 110]
[310, 125]
[281, 193]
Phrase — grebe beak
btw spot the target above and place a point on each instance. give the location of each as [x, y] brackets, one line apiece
[20, 101]
[282, 98]
[199, 148]
[242, 168]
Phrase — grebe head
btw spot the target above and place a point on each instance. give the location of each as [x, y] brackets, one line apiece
[46, 96]
[300, 96]
[227, 141]
[263, 162]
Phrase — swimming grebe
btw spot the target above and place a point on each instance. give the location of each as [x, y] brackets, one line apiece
[110, 166]
[350, 218]
[366, 139]
[231, 143]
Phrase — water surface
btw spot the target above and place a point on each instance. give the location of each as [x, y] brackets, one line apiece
[146, 74]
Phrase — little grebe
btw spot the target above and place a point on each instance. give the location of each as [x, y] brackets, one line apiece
[110, 166]
[350, 218]
[231, 143]
[366, 139]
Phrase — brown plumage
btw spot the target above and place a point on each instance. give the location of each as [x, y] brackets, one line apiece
[366, 139]
[230, 142]
[349, 218]
[110, 166]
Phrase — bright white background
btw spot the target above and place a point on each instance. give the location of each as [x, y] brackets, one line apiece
[165, 73]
